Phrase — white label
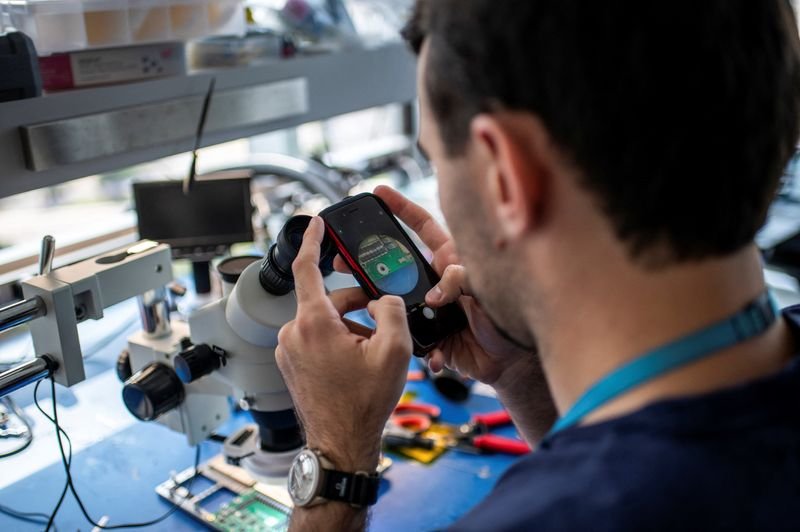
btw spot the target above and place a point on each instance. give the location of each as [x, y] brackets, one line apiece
[126, 64]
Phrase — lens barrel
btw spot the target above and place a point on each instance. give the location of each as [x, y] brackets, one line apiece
[276, 275]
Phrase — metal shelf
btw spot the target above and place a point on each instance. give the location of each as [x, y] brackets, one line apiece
[49, 140]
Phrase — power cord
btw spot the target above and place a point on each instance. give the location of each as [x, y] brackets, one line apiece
[71, 486]
[51, 520]
[30, 517]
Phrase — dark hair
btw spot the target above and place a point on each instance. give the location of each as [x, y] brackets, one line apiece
[680, 115]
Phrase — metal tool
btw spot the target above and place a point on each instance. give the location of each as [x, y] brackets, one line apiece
[474, 436]
[407, 422]
[397, 436]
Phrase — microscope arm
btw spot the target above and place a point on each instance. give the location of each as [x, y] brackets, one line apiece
[57, 300]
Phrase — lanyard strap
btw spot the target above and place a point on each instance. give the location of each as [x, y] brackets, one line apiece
[751, 321]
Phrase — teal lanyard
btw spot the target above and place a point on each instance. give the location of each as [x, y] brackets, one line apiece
[751, 321]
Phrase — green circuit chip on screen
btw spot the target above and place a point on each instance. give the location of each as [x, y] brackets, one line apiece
[389, 264]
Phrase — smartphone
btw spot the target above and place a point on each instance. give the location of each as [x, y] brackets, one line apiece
[384, 260]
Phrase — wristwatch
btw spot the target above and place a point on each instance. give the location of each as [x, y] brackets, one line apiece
[313, 480]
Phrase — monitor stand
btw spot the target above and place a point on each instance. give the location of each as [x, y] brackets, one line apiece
[201, 272]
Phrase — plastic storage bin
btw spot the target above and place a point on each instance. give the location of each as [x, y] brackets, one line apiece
[106, 22]
[54, 25]
[189, 18]
[71, 25]
[225, 17]
[149, 20]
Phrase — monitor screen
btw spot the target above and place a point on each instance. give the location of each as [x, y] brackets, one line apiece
[215, 213]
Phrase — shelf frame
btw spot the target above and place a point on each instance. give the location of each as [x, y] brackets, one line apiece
[334, 84]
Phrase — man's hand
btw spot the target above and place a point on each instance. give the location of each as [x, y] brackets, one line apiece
[344, 385]
[479, 352]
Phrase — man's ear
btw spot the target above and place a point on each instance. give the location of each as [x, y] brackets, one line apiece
[515, 172]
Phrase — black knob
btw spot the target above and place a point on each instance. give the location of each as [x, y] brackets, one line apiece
[124, 370]
[276, 271]
[198, 361]
[152, 391]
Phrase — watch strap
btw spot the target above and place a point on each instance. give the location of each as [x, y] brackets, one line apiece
[357, 489]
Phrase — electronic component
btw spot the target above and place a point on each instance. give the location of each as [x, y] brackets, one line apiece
[226, 498]
[252, 511]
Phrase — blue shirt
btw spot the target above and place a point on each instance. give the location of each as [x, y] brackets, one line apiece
[728, 460]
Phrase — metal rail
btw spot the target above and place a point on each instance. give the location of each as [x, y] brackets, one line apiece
[21, 312]
[26, 373]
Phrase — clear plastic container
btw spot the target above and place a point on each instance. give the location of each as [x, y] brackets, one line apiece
[189, 18]
[106, 22]
[149, 20]
[226, 17]
[71, 25]
[54, 25]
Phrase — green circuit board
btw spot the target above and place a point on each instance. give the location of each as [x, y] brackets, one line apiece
[251, 512]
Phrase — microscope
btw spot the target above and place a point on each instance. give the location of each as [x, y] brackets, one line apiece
[180, 374]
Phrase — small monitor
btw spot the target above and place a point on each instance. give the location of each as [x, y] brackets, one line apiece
[214, 215]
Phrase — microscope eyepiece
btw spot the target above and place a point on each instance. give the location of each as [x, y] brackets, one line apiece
[276, 271]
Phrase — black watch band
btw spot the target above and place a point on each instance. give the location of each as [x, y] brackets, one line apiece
[356, 489]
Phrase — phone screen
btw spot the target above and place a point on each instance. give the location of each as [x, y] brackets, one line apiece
[387, 257]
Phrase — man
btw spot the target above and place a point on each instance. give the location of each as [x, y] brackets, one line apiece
[603, 167]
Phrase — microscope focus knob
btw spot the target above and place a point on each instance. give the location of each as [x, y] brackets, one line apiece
[198, 361]
[124, 371]
[152, 391]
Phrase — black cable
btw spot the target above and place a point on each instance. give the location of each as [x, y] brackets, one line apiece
[198, 137]
[67, 466]
[30, 517]
[59, 430]
[28, 429]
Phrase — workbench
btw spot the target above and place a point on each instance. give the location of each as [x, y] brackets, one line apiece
[118, 460]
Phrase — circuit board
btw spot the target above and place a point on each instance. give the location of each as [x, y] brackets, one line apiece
[251, 511]
[225, 498]
[389, 264]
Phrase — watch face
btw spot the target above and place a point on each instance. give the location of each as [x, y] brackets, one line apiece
[303, 477]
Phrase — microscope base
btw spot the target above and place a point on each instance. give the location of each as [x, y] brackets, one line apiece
[243, 448]
[267, 466]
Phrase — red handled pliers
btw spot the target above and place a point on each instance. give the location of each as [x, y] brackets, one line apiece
[407, 422]
[474, 436]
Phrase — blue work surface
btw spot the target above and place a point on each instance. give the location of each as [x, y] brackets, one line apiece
[117, 474]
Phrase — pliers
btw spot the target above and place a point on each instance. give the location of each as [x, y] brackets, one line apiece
[474, 436]
[407, 422]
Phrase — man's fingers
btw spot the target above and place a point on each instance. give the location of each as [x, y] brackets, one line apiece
[452, 285]
[309, 286]
[348, 299]
[391, 325]
[436, 360]
[340, 265]
[357, 328]
[418, 219]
